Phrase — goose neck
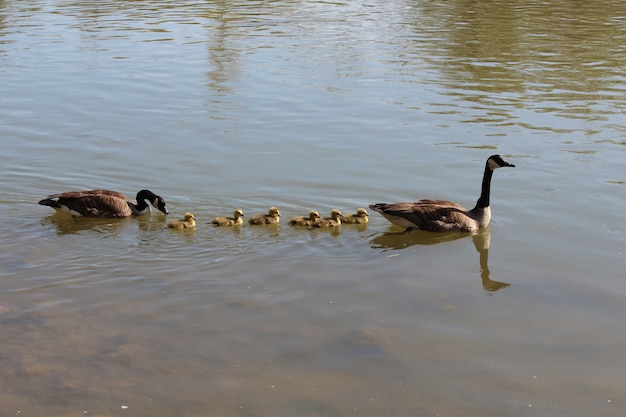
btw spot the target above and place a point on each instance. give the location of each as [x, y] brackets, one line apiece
[483, 200]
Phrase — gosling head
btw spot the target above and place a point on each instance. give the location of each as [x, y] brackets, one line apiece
[238, 213]
[189, 216]
[361, 212]
[274, 212]
[335, 214]
[314, 215]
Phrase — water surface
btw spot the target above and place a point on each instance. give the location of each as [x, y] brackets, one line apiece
[313, 105]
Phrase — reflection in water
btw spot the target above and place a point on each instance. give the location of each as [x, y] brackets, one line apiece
[67, 225]
[408, 238]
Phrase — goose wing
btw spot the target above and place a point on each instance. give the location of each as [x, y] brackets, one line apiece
[429, 215]
[93, 203]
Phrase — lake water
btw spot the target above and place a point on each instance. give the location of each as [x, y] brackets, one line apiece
[313, 105]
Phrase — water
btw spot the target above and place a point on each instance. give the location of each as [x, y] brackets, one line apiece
[313, 105]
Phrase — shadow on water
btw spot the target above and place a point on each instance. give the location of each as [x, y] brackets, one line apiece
[482, 240]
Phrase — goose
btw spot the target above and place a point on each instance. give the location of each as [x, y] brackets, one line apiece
[332, 221]
[188, 222]
[305, 220]
[361, 217]
[229, 221]
[441, 215]
[272, 217]
[103, 203]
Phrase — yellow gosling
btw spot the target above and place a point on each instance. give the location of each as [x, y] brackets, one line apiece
[361, 217]
[229, 221]
[188, 222]
[305, 220]
[332, 221]
[272, 217]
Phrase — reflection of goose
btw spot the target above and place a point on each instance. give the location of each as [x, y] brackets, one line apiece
[66, 225]
[229, 221]
[103, 203]
[272, 217]
[481, 239]
[187, 223]
[441, 215]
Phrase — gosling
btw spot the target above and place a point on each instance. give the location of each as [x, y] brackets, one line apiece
[188, 222]
[305, 220]
[332, 221]
[272, 217]
[229, 221]
[361, 217]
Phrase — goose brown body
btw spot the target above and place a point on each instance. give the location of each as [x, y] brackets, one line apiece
[441, 215]
[229, 221]
[103, 203]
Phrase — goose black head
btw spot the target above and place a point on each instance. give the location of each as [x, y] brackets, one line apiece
[496, 161]
[159, 204]
[156, 201]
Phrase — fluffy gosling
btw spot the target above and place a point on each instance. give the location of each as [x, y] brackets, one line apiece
[188, 222]
[332, 221]
[229, 221]
[272, 217]
[305, 220]
[361, 217]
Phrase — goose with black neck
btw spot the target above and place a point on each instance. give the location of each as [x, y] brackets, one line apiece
[441, 215]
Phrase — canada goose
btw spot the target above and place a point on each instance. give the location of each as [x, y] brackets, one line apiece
[444, 216]
[332, 221]
[188, 222]
[305, 220]
[361, 217]
[272, 217]
[103, 203]
[229, 221]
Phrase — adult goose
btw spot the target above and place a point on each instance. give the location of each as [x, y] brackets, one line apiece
[445, 216]
[229, 221]
[272, 217]
[104, 203]
[187, 223]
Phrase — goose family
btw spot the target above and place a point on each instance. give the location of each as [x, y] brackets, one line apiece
[360, 217]
[229, 221]
[426, 214]
[104, 203]
[272, 217]
[305, 220]
[445, 216]
[188, 222]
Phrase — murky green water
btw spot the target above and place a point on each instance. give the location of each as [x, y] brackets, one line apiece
[313, 105]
